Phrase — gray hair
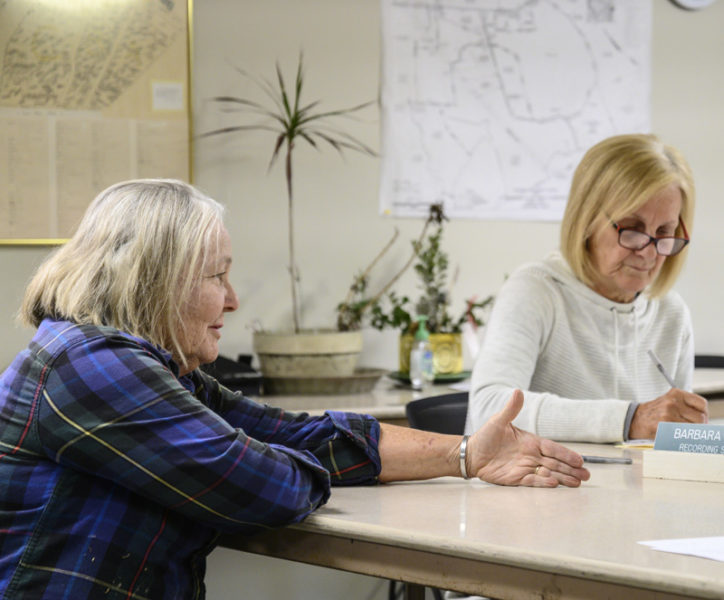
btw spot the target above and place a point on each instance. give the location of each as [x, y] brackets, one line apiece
[132, 263]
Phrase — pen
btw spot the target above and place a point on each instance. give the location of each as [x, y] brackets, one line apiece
[606, 460]
[660, 367]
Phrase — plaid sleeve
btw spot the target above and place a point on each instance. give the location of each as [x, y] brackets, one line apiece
[351, 455]
[345, 443]
[110, 408]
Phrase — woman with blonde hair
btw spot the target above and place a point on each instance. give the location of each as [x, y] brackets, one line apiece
[575, 330]
[121, 461]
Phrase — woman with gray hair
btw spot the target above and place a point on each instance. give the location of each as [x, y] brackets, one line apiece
[122, 462]
[577, 330]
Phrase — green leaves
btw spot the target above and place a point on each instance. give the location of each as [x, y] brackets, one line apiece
[434, 281]
[288, 118]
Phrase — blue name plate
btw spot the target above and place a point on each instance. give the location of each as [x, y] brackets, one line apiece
[690, 437]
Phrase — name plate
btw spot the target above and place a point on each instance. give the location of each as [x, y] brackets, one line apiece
[690, 437]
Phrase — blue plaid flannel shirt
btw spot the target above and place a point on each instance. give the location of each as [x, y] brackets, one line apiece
[117, 475]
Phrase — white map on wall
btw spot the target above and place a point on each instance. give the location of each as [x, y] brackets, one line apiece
[488, 105]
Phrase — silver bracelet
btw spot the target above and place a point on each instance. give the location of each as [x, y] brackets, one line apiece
[463, 454]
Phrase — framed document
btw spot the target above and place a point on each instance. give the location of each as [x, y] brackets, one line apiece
[91, 93]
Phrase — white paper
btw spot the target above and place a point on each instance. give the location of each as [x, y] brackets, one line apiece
[705, 547]
[168, 95]
[488, 107]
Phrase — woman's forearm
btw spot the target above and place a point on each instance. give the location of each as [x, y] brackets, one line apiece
[498, 453]
[408, 454]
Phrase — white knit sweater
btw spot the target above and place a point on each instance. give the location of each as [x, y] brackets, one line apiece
[580, 358]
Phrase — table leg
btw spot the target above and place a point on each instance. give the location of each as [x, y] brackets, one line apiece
[414, 591]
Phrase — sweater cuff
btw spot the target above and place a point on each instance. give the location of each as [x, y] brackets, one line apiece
[629, 417]
[598, 421]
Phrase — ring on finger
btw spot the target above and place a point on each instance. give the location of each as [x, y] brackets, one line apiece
[537, 469]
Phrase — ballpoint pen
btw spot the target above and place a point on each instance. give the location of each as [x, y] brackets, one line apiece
[661, 369]
[606, 459]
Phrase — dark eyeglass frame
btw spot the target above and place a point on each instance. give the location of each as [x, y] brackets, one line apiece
[653, 240]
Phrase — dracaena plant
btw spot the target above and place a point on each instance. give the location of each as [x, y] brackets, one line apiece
[290, 120]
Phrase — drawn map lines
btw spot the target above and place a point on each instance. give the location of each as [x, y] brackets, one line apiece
[488, 105]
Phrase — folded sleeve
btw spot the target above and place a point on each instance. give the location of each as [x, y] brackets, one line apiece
[345, 443]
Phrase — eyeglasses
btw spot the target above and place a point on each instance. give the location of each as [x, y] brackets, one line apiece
[631, 239]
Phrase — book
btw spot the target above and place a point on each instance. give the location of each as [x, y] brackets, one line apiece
[688, 451]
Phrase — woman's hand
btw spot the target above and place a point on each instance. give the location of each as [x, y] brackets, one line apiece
[675, 405]
[501, 453]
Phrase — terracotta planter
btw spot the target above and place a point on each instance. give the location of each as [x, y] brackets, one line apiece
[447, 352]
[314, 353]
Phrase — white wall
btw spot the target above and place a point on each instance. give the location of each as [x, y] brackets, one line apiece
[338, 226]
[232, 575]
[688, 83]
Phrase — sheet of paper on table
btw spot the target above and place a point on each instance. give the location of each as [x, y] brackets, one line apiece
[705, 547]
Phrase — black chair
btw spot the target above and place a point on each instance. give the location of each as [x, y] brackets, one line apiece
[708, 361]
[442, 414]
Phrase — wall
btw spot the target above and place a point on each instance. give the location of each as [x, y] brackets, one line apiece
[339, 229]
[338, 226]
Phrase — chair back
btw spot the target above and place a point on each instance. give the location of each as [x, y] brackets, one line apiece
[708, 361]
[442, 414]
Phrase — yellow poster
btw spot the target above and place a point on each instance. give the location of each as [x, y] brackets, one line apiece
[91, 92]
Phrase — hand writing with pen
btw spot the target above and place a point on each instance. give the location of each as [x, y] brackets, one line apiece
[676, 405]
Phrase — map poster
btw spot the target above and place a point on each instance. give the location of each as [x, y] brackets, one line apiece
[489, 105]
[91, 93]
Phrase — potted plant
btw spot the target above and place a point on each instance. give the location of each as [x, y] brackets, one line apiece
[298, 353]
[352, 311]
[432, 268]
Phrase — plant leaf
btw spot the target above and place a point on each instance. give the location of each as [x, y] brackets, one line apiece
[237, 128]
[277, 147]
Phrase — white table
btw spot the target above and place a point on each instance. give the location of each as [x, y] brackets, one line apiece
[386, 401]
[517, 542]
[709, 383]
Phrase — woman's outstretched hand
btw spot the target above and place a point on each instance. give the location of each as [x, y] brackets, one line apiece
[501, 453]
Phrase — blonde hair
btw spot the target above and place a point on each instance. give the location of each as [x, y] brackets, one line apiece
[615, 178]
[132, 263]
